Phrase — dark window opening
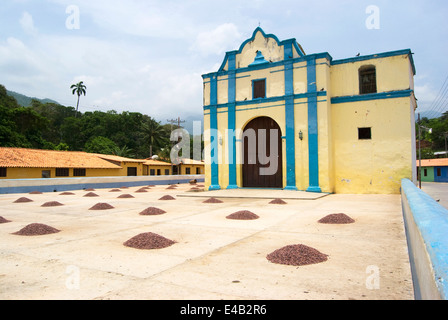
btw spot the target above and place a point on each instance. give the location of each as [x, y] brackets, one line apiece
[367, 80]
[62, 172]
[425, 172]
[79, 172]
[3, 172]
[259, 89]
[132, 172]
[198, 170]
[364, 133]
[187, 170]
[439, 172]
[167, 172]
[158, 172]
[152, 172]
[46, 174]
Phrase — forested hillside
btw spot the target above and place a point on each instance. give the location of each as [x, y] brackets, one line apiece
[55, 127]
[436, 138]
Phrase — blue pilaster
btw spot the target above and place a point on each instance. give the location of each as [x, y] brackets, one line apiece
[214, 133]
[232, 122]
[290, 123]
[313, 138]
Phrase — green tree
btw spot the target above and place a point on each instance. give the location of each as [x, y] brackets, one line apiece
[123, 152]
[154, 134]
[101, 145]
[80, 89]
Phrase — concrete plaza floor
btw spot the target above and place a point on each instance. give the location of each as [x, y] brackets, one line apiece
[213, 257]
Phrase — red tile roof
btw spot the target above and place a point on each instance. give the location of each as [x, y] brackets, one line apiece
[442, 162]
[33, 158]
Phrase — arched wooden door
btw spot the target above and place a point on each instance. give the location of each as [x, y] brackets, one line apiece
[262, 154]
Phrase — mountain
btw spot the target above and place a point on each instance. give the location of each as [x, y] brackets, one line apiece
[25, 101]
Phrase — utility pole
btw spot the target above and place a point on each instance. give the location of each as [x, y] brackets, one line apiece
[446, 149]
[419, 155]
[174, 121]
[419, 150]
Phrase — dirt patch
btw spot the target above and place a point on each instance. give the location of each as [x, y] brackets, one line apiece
[149, 240]
[243, 215]
[278, 201]
[126, 196]
[212, 200]
[115, 190]
[297, 255]
[91, 194]
[171, 187]
[89, 189]
[35, 192]
[36, 229]
[52, 204]
[3, 220]
[67, 194]
[102, 206]
[337, 218]
[167, 197]
[152, 211]
[142, 190]
[23, 200]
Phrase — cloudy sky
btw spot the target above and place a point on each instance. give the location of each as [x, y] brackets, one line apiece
[148, 56]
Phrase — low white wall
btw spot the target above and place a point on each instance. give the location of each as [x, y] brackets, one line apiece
[426, 224]
[67, 184]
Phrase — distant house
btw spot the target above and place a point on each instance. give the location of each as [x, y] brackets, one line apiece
[190, 166]
[129, 167]
[157, 168]
[18, 163]
[434, 170]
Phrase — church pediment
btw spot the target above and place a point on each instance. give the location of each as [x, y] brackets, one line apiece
[259, 49]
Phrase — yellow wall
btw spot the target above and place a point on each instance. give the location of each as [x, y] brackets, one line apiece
[393, 73]
[192, 168]
[162, 169]
[379, 164]
[36, 173]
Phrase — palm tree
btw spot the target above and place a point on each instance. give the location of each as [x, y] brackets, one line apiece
[123, 152]
[155, 133]
[79, 89]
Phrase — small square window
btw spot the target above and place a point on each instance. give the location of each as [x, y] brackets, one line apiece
[187, 170]
[259, 88]
[62, 172]
[46, 174]
[364, 133]
[3, 172]
[167, 172]
[152, 172]
[79, 172]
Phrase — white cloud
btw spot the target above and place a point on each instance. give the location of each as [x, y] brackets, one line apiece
[223, 38]
[27, 24]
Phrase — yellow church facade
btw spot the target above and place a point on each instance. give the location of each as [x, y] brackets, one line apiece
[276, 117]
